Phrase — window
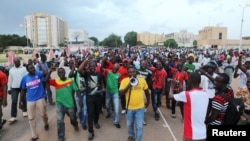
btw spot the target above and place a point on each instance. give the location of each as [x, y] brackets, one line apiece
[220, 36]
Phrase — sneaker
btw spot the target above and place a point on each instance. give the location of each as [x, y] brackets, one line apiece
[84, 127]
[91, 136]
[130, 139]
[117, 125]
[97, 126]
[25, 114]
[34, 139]
[123, 111]
[13, 119]
[157, 116]
[61, 139]
[173, 116]
[3, 122]
[108, 116]
[46, 127]
[144, 123]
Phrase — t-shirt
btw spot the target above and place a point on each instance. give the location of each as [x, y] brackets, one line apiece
[3, 81]
[137, 93]
[33, 85]
[190, 67]
[195, 105]
[158, 77]
[64, 91]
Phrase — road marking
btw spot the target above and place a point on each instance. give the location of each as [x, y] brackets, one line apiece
[167, 125]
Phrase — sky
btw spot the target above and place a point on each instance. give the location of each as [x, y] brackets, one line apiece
[100, 18]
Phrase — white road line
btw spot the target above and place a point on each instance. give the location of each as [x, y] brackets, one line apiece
[167, 125]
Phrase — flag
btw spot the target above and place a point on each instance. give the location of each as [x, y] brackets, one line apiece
[51, 54]
[68, 51]
[11, 56]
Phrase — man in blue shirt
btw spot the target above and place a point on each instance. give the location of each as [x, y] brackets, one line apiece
[31, 85]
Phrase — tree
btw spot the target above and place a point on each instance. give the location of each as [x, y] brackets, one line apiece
[112, 41]
[195, 44]
[76, 35]
[171, 43]
[95, 40]
[131, 38]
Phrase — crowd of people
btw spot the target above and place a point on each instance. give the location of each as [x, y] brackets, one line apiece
[107, 78]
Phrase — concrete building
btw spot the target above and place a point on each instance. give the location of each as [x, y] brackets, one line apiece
[211, 36]
[45, 30]
[182, 38]
[148, 38]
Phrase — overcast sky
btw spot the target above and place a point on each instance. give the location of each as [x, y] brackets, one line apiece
[100, 18]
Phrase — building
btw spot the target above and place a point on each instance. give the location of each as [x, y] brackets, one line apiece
[148, 38]
[45, 30]
[216, 37]
[80, 37]
[182, 38]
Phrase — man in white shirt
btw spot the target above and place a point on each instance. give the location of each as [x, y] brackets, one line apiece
[15, 76]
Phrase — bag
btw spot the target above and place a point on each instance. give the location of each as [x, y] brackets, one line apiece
[234, 110]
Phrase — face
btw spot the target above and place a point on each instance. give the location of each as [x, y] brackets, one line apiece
[92, 67]
[61, 73]
[31, 69]
[159, 65]
[30, 61]
[143, 65]
[191, 59]
[131, 72]
[17, 62]
[115, 68]
[218, 82]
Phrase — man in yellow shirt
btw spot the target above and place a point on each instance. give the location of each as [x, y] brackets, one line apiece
[134, 103]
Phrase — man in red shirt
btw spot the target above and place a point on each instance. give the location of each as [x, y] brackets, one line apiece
[159, 75]
[123, 70]
[3, 96]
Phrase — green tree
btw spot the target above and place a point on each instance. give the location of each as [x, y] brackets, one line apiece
[139, 43]
[112, 41]
[195, 44]
[95, 40]
[170, 43]
[12, 40]
[131, 38]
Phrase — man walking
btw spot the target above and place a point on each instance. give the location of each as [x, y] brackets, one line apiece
[15, 76]
[31, 85]
[135, 104]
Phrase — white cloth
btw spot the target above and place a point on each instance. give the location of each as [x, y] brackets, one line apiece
[15, 77]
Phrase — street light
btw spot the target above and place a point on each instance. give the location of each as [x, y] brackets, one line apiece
[241, 26]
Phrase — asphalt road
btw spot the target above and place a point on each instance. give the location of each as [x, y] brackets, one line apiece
[166, 129]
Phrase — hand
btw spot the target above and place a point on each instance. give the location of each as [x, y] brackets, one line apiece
[36, 60]
[9, 92]
[146, 104]
[20, 105]
[5, 103]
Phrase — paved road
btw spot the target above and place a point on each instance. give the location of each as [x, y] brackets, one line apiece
[166, 129]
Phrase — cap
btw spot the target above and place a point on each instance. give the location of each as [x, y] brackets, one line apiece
[125, 60]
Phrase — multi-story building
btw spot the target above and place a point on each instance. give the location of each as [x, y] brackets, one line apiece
[216, 37]
[182, 38]
[148, 38]
[45, 30]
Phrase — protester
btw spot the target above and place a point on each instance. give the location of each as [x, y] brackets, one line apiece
[32, 88]
[64, 101]
[134, 104]
[14, 80]
[3, 96]
[195, 106]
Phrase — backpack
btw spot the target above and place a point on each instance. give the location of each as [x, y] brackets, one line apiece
[234, 110]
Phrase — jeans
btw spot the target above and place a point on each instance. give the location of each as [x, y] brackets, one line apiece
[135, 119]
[61, 111]
[14, 97]
[81, 111]
[115, 99]
[33, 107]
[156, 98]
[93, 110]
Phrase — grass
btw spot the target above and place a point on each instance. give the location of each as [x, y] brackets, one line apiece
[3, 60]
